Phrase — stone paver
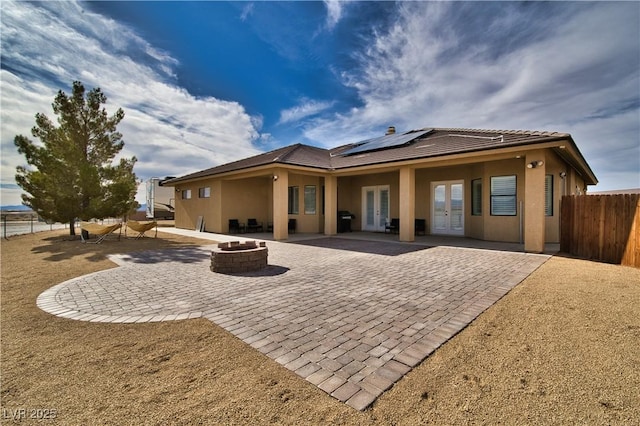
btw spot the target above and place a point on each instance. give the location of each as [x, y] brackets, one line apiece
[350, 321]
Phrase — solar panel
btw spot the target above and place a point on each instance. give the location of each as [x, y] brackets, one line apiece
[386, 141]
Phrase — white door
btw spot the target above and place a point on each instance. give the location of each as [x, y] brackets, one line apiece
[447, 207]
[375, 207]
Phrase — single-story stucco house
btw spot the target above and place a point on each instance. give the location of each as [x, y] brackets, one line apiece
[495, 185]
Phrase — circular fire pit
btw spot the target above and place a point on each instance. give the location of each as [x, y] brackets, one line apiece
[234, 257]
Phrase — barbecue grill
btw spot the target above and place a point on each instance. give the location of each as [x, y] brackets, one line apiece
[344, 220]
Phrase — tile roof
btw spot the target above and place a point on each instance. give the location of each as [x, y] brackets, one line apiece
[298, 154]
[436, 143]
[445, 142]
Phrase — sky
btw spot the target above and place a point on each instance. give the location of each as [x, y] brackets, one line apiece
[205, 83]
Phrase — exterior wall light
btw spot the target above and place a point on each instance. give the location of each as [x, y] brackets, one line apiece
[275, 177]
[534, 164]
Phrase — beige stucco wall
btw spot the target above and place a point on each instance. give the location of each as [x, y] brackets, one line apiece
[554, 167]
[187, 211]
[425, 177]
[253, 197]
[230, 199]
[502, 228]
[310, 223]
[350, 194]
[243, 199]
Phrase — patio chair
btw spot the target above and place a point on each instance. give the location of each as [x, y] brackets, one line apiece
[393, 226]
[100, 231]
[292, 226]
[421, 227]
[254, 226]
[141, 228]
[235, 227]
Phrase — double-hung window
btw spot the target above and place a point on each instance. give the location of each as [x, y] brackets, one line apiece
[503, 196]
[310, 199]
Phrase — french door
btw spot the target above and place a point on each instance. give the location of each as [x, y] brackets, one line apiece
[375, 207]
[447, 207]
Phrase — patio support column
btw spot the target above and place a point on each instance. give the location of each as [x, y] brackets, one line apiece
[216, 194]
[330, 205]
[534, 215]
[407, 199]
[280, 204]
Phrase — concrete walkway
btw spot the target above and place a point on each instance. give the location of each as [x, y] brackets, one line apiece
[350, 316]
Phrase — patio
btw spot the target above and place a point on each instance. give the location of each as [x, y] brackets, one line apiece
[350, 314]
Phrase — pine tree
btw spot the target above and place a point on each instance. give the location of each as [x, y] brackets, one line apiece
[72, 175]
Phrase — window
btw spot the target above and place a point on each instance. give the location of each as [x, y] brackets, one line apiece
[503, 196]
[310, 199]
[548, 195]
[293, 200]
[204, 192]
[186, 194]
[476, 197]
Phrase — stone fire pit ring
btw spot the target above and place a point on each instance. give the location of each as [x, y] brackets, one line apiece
[235, 257]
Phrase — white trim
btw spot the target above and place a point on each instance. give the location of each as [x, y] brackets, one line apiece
[447, 228]
[380, 218]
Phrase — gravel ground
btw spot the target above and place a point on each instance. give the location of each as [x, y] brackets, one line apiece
[562, 347]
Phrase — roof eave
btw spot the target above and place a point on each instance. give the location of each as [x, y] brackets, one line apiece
[573, 156]
[227, 173]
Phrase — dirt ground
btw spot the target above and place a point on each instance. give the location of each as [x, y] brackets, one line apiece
[562, 347]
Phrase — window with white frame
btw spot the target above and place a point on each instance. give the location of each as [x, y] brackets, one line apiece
[204, 192]
[504, 196]
[186, 194]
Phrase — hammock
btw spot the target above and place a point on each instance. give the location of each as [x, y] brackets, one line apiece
[141, 228]
[101, 231]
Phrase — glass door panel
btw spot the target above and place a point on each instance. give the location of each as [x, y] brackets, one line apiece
[376, 207]
[456, 217]
[384, 208]
[370, 208]
[447, 207]
[439, 208]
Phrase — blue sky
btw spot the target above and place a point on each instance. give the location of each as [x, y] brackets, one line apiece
[205, 83]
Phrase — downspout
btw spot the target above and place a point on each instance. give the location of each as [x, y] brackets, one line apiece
[521, 223]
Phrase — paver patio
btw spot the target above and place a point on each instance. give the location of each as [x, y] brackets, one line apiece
[351, 317]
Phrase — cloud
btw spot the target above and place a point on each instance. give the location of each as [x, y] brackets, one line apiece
[576, 69]
[170, 131]
[247, 11]
[334, 12]
[307, 108]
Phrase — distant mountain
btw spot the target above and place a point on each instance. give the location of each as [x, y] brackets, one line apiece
[20, 208]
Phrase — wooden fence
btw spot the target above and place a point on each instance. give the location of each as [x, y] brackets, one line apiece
[602, 227]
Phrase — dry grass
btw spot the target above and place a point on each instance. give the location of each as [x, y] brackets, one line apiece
[562, 347]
